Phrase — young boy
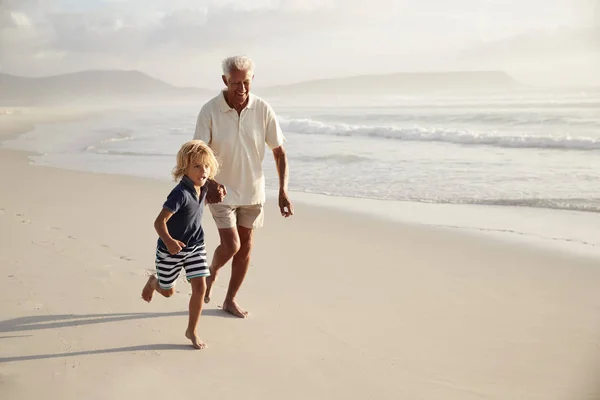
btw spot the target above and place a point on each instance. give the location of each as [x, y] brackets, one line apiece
[181, 238]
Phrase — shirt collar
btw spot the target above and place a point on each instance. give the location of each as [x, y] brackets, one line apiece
[186, 181]
[224, 107]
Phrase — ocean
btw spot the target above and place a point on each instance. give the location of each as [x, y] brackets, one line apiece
[529, 150]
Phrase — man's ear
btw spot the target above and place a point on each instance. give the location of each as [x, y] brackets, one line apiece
[224, 79]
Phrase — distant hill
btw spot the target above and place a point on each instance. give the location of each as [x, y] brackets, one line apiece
[400, 83]
[110, 86]
[91, 87]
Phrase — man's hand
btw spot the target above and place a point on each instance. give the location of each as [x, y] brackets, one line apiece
[215, 192]
[174, 246]
[285, 205]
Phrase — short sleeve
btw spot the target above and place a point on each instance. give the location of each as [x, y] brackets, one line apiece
[203, 192]
[273, 135]
[175, 200]
[203, 126]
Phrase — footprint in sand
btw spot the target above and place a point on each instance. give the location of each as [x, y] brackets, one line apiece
[125, 258]
[72, 237]
[2, 211]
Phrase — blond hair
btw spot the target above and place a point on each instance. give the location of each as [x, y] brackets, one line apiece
[192, 151]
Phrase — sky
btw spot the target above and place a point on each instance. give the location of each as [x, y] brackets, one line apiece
[184, 41]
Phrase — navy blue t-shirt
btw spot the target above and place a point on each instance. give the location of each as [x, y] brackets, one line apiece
[186, 222]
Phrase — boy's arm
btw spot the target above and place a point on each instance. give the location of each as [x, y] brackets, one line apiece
[160, 224]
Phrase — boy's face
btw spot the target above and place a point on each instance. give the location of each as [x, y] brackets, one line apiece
[197, 172]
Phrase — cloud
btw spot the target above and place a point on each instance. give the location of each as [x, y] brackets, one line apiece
[184, 40]
[131, 30]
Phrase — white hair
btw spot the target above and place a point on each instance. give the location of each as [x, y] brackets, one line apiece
[237, 63]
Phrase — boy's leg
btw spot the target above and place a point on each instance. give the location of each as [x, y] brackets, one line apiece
[196, 270]
[168, 268]
[196, 302]
[151, 286]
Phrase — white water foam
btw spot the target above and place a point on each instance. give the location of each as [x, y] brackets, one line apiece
[462, 137]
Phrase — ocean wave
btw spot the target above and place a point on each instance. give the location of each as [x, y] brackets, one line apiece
[338, 158]
[565, 204]
[117, 139]
[587, 205]
[455, 136]
[141, 153]
[514, 119]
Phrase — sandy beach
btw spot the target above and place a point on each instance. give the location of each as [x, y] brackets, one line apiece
[343, 305]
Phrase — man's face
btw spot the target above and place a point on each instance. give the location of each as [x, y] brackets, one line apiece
[238, 86]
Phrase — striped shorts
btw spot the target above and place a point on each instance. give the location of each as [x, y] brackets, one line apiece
[168, 266]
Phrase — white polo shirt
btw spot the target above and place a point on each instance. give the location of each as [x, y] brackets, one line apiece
[239, 144]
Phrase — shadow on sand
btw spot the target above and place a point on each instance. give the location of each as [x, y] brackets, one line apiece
[38, 322]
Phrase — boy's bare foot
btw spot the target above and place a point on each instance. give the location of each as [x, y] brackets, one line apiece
[209, 282]
[232, 307]
[196, 342]
[149, 289]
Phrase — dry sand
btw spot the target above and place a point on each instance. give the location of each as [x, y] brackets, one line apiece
[343, 306]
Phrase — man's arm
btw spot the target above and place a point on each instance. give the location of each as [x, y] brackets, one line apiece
[215, 192]
[285, 205]
[203, 127]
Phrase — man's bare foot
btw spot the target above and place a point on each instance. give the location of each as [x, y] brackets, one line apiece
[209, 282]
[149, 289]
[232, 307]
[196, 342]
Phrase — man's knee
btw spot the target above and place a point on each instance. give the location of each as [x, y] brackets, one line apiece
[230, 241]
[231, 246]
[245, 235]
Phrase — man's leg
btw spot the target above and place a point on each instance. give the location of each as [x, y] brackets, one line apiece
[229, 246]
[239, 268]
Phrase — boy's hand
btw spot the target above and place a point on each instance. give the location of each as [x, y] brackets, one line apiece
[175, 246]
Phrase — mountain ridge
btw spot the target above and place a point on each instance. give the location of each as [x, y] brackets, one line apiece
[133, 85]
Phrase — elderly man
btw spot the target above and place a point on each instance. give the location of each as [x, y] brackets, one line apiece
[237, 125]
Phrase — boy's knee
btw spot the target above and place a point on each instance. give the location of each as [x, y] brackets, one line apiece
[198, 284]
[168, 292]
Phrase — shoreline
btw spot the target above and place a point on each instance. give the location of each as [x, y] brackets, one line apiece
[539, 227]
[551, 229]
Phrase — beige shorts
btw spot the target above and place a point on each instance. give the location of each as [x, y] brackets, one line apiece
[227, 216]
